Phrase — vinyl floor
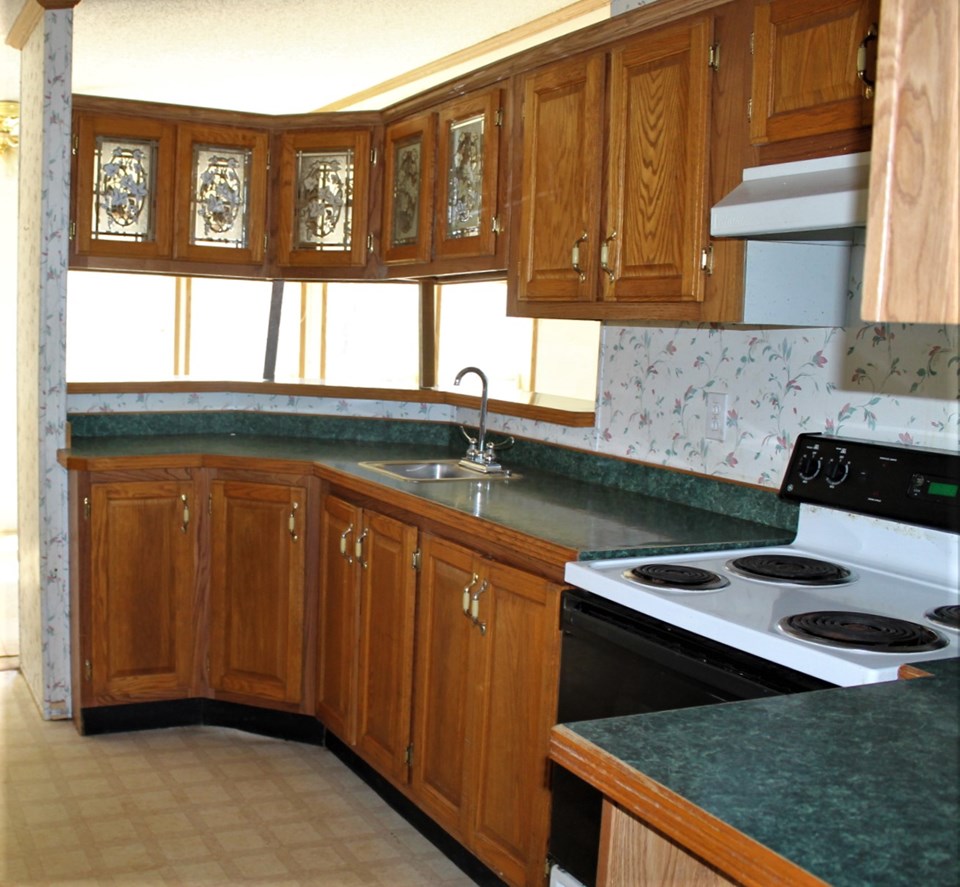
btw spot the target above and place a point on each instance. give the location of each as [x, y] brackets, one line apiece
[192, 805]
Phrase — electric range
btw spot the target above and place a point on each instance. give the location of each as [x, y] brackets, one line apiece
[870, 582]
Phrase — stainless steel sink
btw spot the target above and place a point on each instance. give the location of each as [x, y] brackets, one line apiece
[421, 471]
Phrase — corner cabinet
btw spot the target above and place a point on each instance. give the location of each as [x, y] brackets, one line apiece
[485, 700]
[613, 210]
[259, 532]
[137, 618]
[322, 199]
[813, 69]
[444, 193]
[366, 633]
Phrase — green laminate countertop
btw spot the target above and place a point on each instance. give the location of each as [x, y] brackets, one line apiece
[858, 786]
[594, 520]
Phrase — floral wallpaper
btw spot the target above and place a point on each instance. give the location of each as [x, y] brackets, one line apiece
[42, 260]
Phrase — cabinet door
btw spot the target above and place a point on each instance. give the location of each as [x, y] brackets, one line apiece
[805, 63]
[408, 190]
[468, 176]
[221, 194]
[656, 218]
[142, 589]
[446, 685]
[912, 264]
[338, 619]
[387, 580]
[561, 182]
[323, 196]
[256, 589]
[518, 659]
[123, 188]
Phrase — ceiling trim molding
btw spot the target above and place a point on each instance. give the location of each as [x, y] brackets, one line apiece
[496, 43]
[29, 17]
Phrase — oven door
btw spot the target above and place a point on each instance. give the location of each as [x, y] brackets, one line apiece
[615, 661]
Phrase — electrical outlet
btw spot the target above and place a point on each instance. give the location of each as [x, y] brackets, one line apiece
[716, 423]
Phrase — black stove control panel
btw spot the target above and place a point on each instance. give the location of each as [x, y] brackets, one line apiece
[907, 484]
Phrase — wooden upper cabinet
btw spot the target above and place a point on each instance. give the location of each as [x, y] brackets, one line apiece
[912, 263]
[221, 195]
[468, 178]
[443, 190]
[123, 186]
[639, 253]
[807, 54]
[409, 165]
[257, 582]
[323, 199]
[559, 218]
[141, 609]
[656, 224]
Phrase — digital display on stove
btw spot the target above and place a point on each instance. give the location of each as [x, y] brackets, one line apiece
[941, 487]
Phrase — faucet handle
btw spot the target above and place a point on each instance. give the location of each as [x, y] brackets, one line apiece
[503, 444]
[470, 440]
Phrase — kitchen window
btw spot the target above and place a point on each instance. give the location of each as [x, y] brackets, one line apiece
[137, 327]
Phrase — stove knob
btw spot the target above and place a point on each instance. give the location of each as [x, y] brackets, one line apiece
[809, 466]
[837, 472]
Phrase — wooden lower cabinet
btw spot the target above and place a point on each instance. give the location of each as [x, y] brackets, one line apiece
[137, 635]
[257, 582]
[366, 622]
[485, 699]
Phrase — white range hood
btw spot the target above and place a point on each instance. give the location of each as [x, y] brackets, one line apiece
[808, 196]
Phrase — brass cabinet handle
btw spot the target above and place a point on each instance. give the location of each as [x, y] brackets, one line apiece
[358, 549]
[185, 520]
[575, 256]
[343, 544]
[868, 83]
[466, 594]
[475, 607]
[292, 521]
[605, 254]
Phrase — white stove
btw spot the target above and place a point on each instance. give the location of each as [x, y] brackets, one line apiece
[877, 540]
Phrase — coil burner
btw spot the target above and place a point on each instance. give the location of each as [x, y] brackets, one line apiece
[676, 577]
[865, 631]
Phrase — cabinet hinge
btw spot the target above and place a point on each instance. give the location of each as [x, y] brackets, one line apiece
[498, 121]
[206, 666]
[264, 242]
[713, 57]
[495, 225]
[210, 503]
[87, 670]
[86, 508]
[408, 755]
[373, 156]
[706, 260]
[415, 560]
[73, 230]
[369, 243]
[751, 42]
[76, 144]
[749, 109]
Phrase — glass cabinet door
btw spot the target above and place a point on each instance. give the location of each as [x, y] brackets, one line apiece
[124, 186]
[408, 191]
[323, 197]
[468, 166]
[221, 194]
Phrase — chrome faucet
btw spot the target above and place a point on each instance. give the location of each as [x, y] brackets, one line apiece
[480, 454]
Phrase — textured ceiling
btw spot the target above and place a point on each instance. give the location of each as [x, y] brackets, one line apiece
[273, 56]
